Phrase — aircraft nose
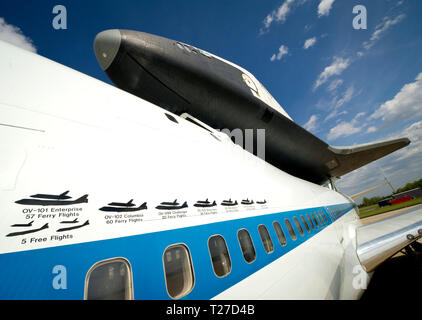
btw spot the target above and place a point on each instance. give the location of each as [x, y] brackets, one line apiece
[106, 46]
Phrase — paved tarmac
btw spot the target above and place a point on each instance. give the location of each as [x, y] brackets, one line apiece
[389, 214]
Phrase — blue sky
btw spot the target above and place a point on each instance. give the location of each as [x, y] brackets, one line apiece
[346, 86]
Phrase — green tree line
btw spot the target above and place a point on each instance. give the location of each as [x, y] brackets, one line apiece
[410, 186]
[374, 200]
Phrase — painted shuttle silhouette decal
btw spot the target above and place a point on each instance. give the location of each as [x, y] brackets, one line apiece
[123, 207]
[52, 200]
[171, 205]
[121, 204]
[74, 227]
[205, 204]
[229, 202]
[62, 196]
[71, 221]
[247, 202]
[19, 233]
[29, 224]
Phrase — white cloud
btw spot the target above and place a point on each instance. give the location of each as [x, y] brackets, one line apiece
[324, 7]
[307, 27]
[335, 84]
[360, 114]
[335, 113]
[402, 166]
[343, 129]
[334, 69]
[356, 177]
[311, 125]
[280, 14]
[13, 35]
[346, 97]
[406, 104]
[283, 50]
[364, 178]
[309, 43]
[371, 129]
[346, 128]
[381, 28]
[337, 102]
[414, 133]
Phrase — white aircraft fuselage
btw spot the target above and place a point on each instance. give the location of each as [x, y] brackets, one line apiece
[62, 130]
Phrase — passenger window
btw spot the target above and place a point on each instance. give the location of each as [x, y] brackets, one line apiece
[109, 280]
[290, 229]
[315, 220]
[219, 256]
[327, 217]
[323, 216]
[246, 245]
[266, 239]
[320, 217]
[298, 226]
[305, 223]
[310, 221]
[178, 271]
[280, 234]
[331, 213]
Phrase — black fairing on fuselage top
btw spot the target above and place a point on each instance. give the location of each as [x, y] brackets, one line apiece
[157, 70]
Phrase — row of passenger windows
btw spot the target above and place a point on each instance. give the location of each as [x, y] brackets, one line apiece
[112, 279]
[336, 212]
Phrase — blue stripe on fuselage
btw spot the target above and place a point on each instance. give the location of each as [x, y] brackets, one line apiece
[28, 274]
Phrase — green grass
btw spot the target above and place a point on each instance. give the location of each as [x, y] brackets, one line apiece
[373, 210]
[368, 208]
